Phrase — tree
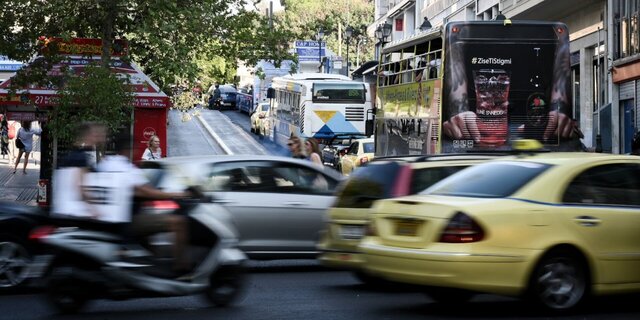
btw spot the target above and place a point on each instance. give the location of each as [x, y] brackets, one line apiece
[167, 37]
[305, 17]
[96, 94]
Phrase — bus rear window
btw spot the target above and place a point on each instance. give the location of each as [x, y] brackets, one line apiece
[338, 92]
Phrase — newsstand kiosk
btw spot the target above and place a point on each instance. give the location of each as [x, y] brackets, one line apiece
[33, 103]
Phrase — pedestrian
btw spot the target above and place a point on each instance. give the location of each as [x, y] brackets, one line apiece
[4, 136]
[153, 151]
[69, 197]
[122, 181]
[295, 147]
[24, 143]
[313, 151]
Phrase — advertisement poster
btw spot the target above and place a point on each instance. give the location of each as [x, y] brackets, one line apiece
[507, 82]
[408, 121]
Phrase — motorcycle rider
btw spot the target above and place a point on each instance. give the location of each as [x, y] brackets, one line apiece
[215, 96]
[117, 174]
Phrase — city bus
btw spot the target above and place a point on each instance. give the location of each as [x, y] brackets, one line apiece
[317, 105]
[475, 86]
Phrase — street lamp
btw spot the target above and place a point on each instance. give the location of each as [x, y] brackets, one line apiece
[348, 32]
[319, 37]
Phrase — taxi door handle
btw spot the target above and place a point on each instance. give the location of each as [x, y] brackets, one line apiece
[295, 204]
[587, 221]
[222, 201]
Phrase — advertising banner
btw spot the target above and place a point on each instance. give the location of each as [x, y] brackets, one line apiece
[507, 82]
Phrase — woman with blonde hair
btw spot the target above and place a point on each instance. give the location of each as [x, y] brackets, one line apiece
[153, 151]
[313, 150]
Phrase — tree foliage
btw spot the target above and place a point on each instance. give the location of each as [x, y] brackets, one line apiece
[305, 17]
[167, 38]
[97, 95]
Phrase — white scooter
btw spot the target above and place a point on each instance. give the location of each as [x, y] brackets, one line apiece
[91, 263]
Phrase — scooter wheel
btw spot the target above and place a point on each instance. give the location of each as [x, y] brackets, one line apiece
[66, 295]
[226, 285]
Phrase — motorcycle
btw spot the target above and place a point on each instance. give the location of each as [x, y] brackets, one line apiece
[94, 263]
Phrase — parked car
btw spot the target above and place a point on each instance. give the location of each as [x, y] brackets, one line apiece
[258, 118]
[380, 179]
[358, 153]
[227, 98]
[277, 204]
[553, 227]
[336, 147]
[20, 258]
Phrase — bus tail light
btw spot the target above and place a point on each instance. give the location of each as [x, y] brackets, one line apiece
[461, 229]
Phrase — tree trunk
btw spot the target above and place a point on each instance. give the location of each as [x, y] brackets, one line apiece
[110, 8]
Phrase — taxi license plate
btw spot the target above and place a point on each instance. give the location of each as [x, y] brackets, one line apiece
[407, 228]
[351, 232]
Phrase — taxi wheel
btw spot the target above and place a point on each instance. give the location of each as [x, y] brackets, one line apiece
[560, 281]
[449, 295]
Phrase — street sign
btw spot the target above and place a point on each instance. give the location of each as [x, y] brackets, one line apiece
[7, 65]
[309, 50]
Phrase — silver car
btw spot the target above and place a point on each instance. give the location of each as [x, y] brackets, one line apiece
[277, 204]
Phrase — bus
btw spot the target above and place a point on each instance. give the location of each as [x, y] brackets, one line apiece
[317, 105]
[476, 86]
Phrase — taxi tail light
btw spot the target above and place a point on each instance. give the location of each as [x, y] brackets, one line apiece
[364, 160]
[461, 229]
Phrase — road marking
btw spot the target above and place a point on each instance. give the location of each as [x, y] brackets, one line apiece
[215, 136]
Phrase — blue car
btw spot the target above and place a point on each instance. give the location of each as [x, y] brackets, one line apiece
[227, 98]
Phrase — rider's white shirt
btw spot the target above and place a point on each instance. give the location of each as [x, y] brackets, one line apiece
[112, 188]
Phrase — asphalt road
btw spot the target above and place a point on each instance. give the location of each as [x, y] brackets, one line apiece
[187, 137]
[303, 290]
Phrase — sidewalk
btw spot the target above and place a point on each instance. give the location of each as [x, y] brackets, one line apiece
[19, 187]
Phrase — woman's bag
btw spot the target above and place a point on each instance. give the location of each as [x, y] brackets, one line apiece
[19, 143]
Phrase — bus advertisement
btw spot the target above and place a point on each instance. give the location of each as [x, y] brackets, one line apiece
[476, 85]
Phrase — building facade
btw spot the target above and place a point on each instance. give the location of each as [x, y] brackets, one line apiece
[605, 53]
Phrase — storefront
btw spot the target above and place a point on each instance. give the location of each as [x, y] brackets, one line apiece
[33, 103]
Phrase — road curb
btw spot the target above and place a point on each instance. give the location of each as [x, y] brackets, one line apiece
[215, 136]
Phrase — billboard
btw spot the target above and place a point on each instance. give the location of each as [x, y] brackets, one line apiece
[504, 82]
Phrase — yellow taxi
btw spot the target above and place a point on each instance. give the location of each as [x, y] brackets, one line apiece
[553, 227]
[359, 152]
[380, 179]
[258, 117]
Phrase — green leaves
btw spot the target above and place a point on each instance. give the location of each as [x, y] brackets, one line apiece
[96, 95]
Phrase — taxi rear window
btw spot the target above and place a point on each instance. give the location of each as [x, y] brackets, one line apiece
[367, 184]
[425, 178]
[489, 180]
